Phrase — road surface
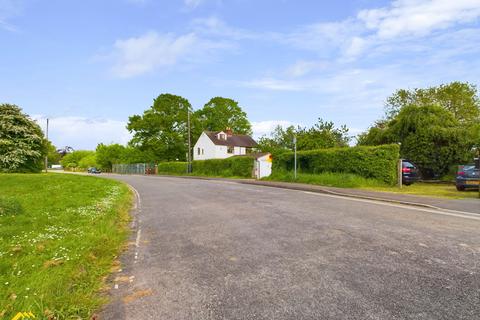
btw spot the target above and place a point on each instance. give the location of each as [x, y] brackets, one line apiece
[222, 250]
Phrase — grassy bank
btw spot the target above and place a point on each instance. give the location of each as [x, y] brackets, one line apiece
[347, 180]
[59, 235]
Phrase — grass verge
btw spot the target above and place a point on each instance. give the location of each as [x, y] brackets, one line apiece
[347, 180]
[59, 236]
[437, 190]
[329, 179]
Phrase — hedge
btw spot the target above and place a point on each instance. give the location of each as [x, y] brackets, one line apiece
[240, 166]
[379, 162]
[172, 167]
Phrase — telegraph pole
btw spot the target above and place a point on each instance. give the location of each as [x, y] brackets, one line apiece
[189, 157]
[295, 156]
[46, 156]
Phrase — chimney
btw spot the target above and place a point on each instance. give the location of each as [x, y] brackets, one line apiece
[229, 132]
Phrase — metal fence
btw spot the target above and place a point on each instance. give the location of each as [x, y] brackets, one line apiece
[134, 168]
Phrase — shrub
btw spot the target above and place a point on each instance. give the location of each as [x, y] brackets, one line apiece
[172, 167]
[9, 207]
[369, 162]
[22, 144]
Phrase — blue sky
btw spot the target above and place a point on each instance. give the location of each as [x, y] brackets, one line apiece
[88, 65]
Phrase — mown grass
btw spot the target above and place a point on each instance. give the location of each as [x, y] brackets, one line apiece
[59, 236]
[329, 179]
[347, 180]
[438, 190]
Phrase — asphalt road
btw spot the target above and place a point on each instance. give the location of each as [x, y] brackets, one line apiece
[221, 250]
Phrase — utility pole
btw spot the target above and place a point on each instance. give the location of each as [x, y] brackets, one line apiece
[189, 157]
[46, 156]
[400, 168]
[295, 156]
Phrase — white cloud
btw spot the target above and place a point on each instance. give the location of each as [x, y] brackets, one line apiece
[323, 38]
[84, 133]
[303, 67]
[136, 56]
[216, 27]
[274, 84]
[8, 10]
[192, 3]
[419, 18]
[261, 128]
[153, 51]
[138, 2]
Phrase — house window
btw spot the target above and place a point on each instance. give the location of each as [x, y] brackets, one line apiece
[230, 149]
[203, 151]
[198, 151]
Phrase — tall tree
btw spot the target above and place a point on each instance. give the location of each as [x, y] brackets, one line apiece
[280, 139]
[161, 132]
[220, 113]
[459, 98]
[107, 155]
[430, 136]
[22, 144]
[321, 135]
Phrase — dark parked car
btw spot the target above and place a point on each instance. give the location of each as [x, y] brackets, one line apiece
[467, 177]
[94, 170]
[410, 173]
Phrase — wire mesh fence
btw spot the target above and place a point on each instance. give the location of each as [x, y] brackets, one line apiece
[134, 168]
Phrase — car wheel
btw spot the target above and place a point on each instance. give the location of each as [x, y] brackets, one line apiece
[460, 188]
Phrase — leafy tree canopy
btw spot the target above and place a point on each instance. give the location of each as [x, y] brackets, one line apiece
[53, 155]
[161, 131]
[321, 135]
[22, 144]
[459, 98]
[429, 135]
[74, 159]
[220, 113]
[108, 155]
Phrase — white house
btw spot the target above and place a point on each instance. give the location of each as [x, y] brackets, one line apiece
[222, 144]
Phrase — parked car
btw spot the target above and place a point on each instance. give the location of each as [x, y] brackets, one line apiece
[94, 170]
[410, 173]
[467, 177]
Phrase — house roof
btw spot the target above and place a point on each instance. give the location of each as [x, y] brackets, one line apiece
[234, 140]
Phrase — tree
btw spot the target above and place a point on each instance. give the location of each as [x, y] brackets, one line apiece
[22, 144]
[280, 139]
[53, 156]
[429, 135]
[220, 113]
[88, 161]
[321, 135]
[73, 160]
[161, 132]
[459, 98]
[107, 155]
